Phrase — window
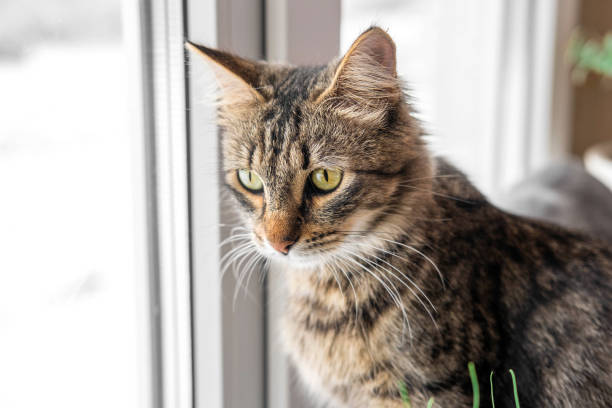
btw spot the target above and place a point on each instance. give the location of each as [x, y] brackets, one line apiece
[477, 71]
[112, 216]
[72, 288]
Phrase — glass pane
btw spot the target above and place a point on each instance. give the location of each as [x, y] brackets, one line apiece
[68, 305]
[409, 22]
[446, 54]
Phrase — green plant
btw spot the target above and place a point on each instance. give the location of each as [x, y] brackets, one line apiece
[475, 387]
[588, 54]
[404, 394]
[491, 383]
[406, 398]
[516, 401]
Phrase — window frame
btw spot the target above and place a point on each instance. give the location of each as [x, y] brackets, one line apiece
[154, 38]
[228, 337]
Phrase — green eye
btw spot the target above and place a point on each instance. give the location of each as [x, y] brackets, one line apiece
[326, 179]
[250, 180]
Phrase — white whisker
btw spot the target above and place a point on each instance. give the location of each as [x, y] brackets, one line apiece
[400, 272]
[421, 254]
[403, 283]
[394, 296]
[232, 256]
[352, 287]
[248, 271]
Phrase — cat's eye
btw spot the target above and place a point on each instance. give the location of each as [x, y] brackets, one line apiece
[326, 179]
[250, 180]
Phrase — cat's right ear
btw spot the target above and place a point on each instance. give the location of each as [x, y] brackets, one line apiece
[238, 78]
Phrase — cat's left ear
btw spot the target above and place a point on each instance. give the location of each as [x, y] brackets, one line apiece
[238, 77]
[365, 84]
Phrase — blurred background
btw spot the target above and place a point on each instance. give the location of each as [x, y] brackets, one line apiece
[101, 130]
[68, 318]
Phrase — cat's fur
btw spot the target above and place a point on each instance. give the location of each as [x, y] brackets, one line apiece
[405, 272]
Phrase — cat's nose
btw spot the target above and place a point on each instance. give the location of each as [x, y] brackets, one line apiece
[282, 229]
[282, 246]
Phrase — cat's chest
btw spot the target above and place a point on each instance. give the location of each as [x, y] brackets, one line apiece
[342, 351]
[333, 356]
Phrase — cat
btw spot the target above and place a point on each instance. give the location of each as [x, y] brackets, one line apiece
[399, 271]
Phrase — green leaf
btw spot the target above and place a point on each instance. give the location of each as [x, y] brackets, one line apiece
[404, 394]
[492, 397]
[475, 387]
[516, 399]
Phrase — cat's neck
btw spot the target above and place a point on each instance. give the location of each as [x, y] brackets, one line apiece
[404, 235]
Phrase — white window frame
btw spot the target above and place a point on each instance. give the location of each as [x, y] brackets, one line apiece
[228, 338]
[154, 42]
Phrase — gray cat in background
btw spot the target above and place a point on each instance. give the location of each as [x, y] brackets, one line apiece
[565, 194]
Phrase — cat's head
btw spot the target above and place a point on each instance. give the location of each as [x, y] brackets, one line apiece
[316, 156]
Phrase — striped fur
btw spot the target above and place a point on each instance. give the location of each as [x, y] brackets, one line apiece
[405, 272]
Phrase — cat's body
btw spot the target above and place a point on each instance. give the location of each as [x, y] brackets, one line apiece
[518, 294]
[399, 270]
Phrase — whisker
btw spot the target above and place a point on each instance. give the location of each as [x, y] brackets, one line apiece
[421, 254]
[234, 238]
[335, 259]
[339, 285]
[432, 177]
[364, 233]
[403, 283]
[463, 200]
[264, 268]
[400, 272]
[249, 267]
[354, 294]
[244, 259]
[231, 256]
[255, 267]
[394, 296]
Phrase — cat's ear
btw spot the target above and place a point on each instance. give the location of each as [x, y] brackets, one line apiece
[238, 77]
[365, 84]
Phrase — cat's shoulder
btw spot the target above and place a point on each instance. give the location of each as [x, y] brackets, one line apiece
[471, 211]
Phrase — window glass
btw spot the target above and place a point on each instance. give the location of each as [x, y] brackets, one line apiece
[447, 55]
[409, 23]
[68, 305]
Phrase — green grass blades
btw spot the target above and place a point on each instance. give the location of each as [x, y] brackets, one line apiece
[516, 398]
[492, 397]
[475, 387]
[404, 394]
[406, 398]
[515, 389]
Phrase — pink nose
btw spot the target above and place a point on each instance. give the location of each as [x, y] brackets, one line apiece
[282, 246]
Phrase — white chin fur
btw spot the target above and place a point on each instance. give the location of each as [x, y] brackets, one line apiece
[294, 258]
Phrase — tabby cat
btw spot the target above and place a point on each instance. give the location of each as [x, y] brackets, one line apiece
[399, 271]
